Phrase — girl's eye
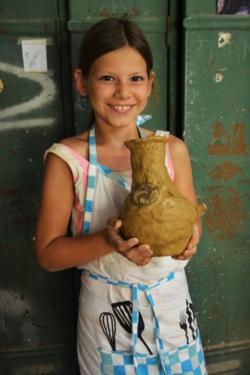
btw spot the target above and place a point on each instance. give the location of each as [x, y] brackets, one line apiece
[106, 78]
[137, 79]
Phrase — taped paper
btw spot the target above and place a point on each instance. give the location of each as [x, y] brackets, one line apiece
[34, 55]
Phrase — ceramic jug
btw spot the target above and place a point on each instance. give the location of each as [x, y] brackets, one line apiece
[154, 211]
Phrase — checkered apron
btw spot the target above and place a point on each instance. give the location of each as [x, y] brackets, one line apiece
[187, 359]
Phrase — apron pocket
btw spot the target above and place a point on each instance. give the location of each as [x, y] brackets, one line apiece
[187, 359]
[122, 363]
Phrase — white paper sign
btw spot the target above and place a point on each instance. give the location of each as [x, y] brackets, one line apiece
[34, 55]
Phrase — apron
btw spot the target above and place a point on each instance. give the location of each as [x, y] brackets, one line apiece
[185, 359]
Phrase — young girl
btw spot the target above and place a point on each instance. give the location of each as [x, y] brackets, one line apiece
[135, 312]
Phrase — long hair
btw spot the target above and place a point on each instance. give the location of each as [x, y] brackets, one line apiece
[109, 35]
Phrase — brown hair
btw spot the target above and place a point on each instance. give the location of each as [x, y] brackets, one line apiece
[108, 35]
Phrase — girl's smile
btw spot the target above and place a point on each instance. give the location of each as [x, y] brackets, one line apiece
[118, 87]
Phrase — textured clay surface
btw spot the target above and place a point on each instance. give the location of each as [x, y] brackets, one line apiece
[154, 211]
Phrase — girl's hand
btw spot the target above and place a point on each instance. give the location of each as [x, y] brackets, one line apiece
[138, 254]
[191, 247]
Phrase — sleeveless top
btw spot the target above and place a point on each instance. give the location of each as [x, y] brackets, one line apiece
[132, 320]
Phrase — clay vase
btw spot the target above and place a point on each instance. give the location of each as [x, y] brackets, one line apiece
[154, 211]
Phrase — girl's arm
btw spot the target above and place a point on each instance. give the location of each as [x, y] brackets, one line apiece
[54, 250]
[184, 183]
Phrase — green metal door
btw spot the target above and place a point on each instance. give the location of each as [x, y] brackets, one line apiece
[37, 317]
[216, 128]
[38, 309]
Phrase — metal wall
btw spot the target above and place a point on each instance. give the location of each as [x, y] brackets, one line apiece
[203, 74]
[216, 130]
[37, 308]
[37, 316]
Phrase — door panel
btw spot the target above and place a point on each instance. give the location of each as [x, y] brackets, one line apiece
[38, 320]
[216, 125]
[37, 316]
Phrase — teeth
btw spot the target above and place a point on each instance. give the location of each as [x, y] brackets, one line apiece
[121, 107]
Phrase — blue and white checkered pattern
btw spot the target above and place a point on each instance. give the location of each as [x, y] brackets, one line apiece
[105, 279]
[188, 359]
[91, 181]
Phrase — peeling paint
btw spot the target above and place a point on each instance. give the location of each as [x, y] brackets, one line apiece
[219, 77]
[226, 214]
[135, 12]
[225, 171]
[211, 188]
[228, 142]
[3, 31]
[117, 7]
[16, 202]
[6, 246]
[104, 13]
[12, 192]
[243, 181]
[224, 39]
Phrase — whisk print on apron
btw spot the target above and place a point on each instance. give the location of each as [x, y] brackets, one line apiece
[188, 359]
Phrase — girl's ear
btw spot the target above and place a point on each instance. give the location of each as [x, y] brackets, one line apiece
[150, 81]
[80, 82]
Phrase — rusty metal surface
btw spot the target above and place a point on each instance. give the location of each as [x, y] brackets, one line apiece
[37, 313]
[217, 120]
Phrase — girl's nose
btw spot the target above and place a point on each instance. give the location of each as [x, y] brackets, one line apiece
[122, 90]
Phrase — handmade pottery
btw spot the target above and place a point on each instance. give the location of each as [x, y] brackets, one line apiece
[154, 211]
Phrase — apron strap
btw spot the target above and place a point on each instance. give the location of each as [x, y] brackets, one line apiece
[93, 163]
[91, 181]
[135, 288]
[135, 326]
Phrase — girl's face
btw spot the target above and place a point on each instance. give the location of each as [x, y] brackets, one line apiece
[118, 87]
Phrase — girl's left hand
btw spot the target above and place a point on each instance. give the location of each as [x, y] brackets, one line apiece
[191, 247]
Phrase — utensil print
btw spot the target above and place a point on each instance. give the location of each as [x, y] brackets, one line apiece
[194, 316]
[191, 321]
[108, 324]
[183, 324]
[123, 313]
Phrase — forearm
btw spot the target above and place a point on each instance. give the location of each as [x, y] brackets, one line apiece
[67, 252]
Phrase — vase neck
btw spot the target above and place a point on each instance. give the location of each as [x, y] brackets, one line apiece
[147, 156]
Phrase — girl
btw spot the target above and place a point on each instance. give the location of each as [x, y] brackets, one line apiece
[135, 312]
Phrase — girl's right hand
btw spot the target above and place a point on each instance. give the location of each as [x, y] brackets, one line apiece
[138, 254]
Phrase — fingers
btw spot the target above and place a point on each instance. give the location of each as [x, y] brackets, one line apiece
[187, 254]
[114, 237]
[191, 246]
[114, 223]
[194, 240]
[140, 255]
